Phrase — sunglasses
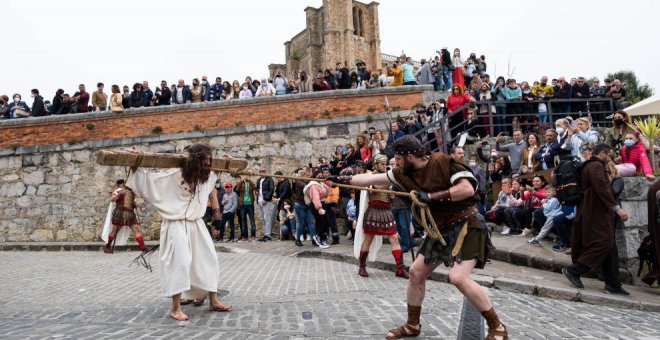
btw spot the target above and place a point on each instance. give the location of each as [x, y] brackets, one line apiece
[584, 149]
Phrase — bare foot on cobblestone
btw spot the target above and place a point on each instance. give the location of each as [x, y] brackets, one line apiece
[178, 315]
[216, 306]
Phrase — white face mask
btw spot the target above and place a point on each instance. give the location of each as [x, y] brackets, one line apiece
[473, 163]
[286, 206]
[560, 130]
[17, 99]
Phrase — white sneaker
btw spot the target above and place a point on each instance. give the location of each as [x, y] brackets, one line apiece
[526, 232]
[506, 231]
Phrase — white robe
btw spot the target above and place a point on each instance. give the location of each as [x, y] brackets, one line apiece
[188, 260]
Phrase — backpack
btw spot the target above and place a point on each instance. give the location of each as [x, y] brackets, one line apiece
[566, 180]
[645, 252]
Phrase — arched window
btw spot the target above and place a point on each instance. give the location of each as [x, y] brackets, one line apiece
[356, 23]
[361, 22]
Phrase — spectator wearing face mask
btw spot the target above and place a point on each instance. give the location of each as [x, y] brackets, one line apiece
[4, 107]
[38, 107]
[615, 134]
[245, 92]
[206, 89]
[18, 108]
[633, 157]
[265, 89]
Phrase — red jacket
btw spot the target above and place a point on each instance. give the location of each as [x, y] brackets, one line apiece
[638, 158]
[456, 101]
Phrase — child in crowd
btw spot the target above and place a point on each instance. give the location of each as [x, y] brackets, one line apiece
[497, 212]
[287, 221]
[551, 209]
[351, 214]
[514, 202]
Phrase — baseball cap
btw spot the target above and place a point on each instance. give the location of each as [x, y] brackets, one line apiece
[227, 185]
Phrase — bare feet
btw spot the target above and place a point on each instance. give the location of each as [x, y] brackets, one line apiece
[216, 306]
[178, 315]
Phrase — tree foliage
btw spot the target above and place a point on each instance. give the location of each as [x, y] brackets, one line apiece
[635, 91]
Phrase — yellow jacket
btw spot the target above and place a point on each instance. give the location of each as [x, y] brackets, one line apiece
[397, 73]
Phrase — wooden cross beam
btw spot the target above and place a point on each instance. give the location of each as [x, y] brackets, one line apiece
[163, 160]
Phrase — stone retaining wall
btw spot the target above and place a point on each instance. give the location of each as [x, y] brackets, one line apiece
[59, 193]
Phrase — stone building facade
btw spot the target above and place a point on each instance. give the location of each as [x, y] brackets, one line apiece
[339, 31]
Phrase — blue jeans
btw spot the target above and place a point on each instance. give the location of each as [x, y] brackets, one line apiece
[403, 218]
[500, 119]
[438, 85]
[305, 219]
[446, 78]
[247, 210]
[287, 226]
[539, 217]
[279, 92]
[226, 217]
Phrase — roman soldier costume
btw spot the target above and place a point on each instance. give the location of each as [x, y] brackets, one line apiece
[379, 221]
[121, 213]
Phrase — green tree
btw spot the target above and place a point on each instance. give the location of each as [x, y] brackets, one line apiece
[635, 91]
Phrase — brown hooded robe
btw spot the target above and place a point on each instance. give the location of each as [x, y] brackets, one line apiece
[593, 227]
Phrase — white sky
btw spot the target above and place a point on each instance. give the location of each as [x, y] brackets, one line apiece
[59, 44]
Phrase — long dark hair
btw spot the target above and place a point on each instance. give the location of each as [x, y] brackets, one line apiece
[193, 171]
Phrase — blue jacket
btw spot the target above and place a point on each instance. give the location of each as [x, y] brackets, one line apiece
[511, 94]
[547, 161]
[394, 136]
[187, 96]
[215, 91]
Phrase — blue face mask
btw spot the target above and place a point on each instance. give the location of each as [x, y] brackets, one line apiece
[629, 142]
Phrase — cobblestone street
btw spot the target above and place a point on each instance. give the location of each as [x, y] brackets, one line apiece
[79, 295]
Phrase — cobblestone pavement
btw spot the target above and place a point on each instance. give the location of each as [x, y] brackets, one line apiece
[90, 295]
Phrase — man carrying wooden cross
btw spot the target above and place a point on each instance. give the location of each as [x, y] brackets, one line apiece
[188, 260]
[448, 187]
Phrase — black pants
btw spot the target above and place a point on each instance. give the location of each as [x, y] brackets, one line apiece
[321, 223]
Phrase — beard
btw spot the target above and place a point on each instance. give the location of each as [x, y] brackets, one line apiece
[197, 167]
[408, 168]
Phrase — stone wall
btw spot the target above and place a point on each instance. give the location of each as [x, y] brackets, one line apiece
[59, 193]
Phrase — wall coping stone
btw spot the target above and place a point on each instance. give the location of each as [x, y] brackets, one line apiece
[166, 137]
[203, 105]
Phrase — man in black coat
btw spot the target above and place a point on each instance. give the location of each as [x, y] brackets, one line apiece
[282, 190]
[38, 107]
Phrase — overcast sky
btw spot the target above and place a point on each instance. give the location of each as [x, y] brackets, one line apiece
[59, 44]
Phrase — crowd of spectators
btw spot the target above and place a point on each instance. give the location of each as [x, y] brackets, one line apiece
[467, 81]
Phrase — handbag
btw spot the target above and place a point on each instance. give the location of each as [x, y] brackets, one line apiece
[20, 112]
[617, 186]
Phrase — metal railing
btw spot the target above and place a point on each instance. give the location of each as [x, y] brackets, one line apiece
[494, 117]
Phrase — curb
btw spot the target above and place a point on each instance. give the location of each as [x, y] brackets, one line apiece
[517, 258]
[76, 246]
[506, 284]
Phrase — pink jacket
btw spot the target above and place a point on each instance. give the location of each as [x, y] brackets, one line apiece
[315, 192]
[638, 158]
